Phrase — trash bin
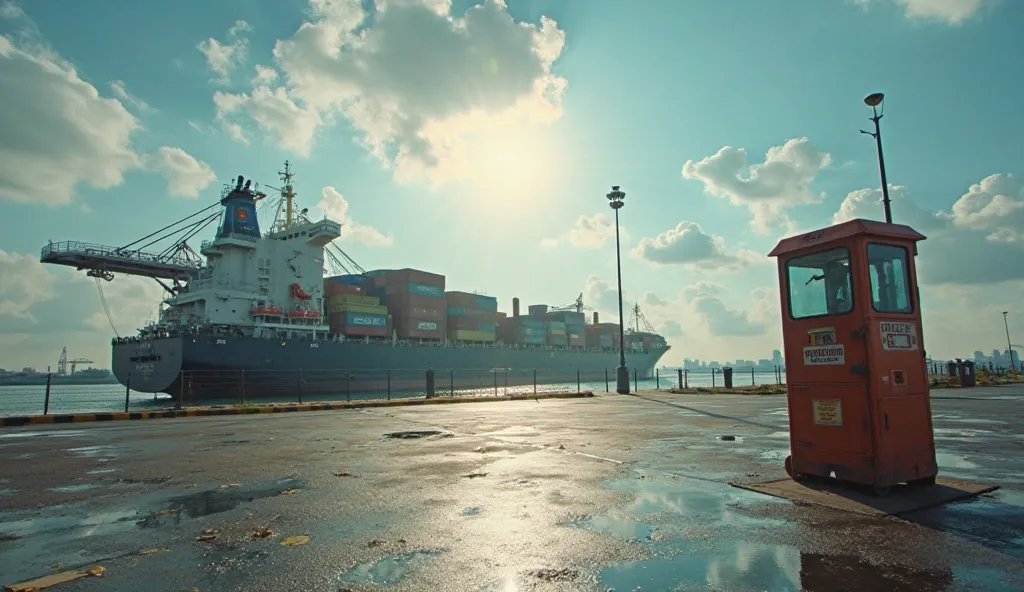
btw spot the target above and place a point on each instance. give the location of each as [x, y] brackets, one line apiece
[967, 374]
[951, 369]
[727, 377]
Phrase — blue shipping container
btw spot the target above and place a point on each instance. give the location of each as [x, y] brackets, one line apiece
[359, 319]
[556, 324]
[532, 340]
[425, 290]
[488, 327]
[487, 303]
[528, 322]
[352, 279]
[456, 311]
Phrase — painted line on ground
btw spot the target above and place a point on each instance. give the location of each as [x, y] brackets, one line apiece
[279, 408]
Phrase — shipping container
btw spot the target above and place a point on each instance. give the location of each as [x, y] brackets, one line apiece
[528, 322]
[415, 306]
[375, 273]
[466, 335]
[557, 340]
[489, 303]
[537, 309]
[470, 324]
[411, 327]
[360, 331]
[416, 288]
[356, 308]
[352, 279]
[577, 341]
[556, 331]
[605, 342]
[336, 289]
[532, 340]
[408, 276]
[353, 299]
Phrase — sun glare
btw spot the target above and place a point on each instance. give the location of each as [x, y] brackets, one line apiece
[511, 165]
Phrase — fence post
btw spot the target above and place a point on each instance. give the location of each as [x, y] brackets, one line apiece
[579, 387]
[534, 382]
[46, 401]
[348, 386]
[495, 373]
[451, 381]
[657, 379]
[635, 386]
[679, 383]
[752, 383]
[430, 384]
[606, 380]
[506, 381]
[127, 391]
[389, 384]
[243, 386]
[181, 389]
[300, 386]
[712, 378]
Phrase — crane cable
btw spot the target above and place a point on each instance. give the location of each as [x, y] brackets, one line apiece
[106, 308]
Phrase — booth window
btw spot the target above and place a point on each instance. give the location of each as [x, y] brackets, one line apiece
[890, 284]
[820, 284]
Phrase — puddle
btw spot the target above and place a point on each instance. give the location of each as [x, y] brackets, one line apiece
[77, 525]
[474, 511]
[74, 488]
[7, 492]
[105, 450]
[953, 461]
[99, 471]
[215, 501]
[415, 434]
[389, 571]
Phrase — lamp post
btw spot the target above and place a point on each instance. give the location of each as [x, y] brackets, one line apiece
[1006, 324]
[615, 201]
[874, 100]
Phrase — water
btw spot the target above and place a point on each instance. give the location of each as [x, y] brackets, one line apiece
[28, 399]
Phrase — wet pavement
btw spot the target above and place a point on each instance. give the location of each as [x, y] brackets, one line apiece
[610, 493]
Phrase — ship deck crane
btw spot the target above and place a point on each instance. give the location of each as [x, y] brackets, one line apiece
[64, 362]
[576, 306]
[638, 323]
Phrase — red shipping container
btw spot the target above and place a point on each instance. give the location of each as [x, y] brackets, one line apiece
[419, 328]
[405, 276]
[416, 306]
[336, 289]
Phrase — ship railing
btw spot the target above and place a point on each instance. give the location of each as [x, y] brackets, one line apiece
[53, 249]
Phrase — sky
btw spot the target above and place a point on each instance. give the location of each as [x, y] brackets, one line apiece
[478, 139]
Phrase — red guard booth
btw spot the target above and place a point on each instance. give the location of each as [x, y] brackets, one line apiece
[855, 364]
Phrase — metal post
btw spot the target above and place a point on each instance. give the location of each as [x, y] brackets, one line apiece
[348, 386]
[752, 383]
[300, 386]
[430, 384]
[606, 387]
[635, 387]
[506, 381]
[578, 386]
[686, 379]
[243, 386]
[389, 384]
[495, 373]
[181, 389]
[535, 381]
[46, 400]
[679, 382]
[451, 381]
[622, 373]
[1013, 365]
[127, 391]
[657, 379]
[874, 100]
[712, 378]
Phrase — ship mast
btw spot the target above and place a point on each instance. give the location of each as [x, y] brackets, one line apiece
[287, 192]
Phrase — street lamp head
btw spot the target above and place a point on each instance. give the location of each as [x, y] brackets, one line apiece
[616, 196]
[874, 99]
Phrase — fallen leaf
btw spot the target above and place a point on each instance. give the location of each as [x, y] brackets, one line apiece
[261, 532]
[290, 491]
[54, 579]
[343, 474]
[295, 541]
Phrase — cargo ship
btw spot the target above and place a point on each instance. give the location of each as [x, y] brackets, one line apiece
[258, 319]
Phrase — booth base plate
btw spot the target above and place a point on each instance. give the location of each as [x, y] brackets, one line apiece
[852, 498]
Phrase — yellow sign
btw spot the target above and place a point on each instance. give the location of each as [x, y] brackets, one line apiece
[828, 412]
[822, 336]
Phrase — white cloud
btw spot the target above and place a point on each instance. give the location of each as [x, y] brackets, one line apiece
[719, 319]
[185, 175]
[603, 298]
[294, 126]
[10, 10]
[767, 189]
[589, 232]
[221, 58]
[974, 243]
[688, 245]
[265, 75]
[335, 207]
[421, 86]
[23, 283]
[953, 12]
[117, 87]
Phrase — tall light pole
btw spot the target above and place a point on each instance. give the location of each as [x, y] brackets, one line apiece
[874, 100]
[615, 200]
[1009, 344]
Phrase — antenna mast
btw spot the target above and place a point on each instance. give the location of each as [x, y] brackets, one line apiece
[287, 192]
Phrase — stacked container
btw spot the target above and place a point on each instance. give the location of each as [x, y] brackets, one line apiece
[471, 317]
[537, 310]
[350, 311]
[574, 327]
[603, 336]
[529, 331]
[416, 302]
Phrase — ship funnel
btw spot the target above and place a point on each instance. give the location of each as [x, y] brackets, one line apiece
[515, 308]
[247, 184]
[596, 318]
[238, 186]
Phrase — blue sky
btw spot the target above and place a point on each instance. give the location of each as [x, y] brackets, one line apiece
[467, 144]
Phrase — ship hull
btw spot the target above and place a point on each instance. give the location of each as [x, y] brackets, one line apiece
[196, 368]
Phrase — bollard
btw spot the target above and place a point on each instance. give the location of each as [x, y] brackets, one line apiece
[712, 378]
[606, 380]
[534, 382]
[46, 401]
[752, 383]
[727, 377]
[635, 387]
[679, 382]
[430, 384]
[578, 389]
[348, 386]
[686, 379]
[181, 389]
[127, 391]
[506, 381]
[300, 386]
[451, 382]
[495, 373]
[389, 384]
[657, 380]
[242, 387]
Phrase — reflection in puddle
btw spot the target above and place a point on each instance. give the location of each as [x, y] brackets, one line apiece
[474, 511]
[390, 570]
[53, 434]
[953, 461]
[74, 488]
[105, 450]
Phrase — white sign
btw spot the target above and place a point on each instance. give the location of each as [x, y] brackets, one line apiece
[824, 355]
[898, 335]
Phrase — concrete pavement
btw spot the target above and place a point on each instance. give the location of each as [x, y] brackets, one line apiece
[614, 492]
